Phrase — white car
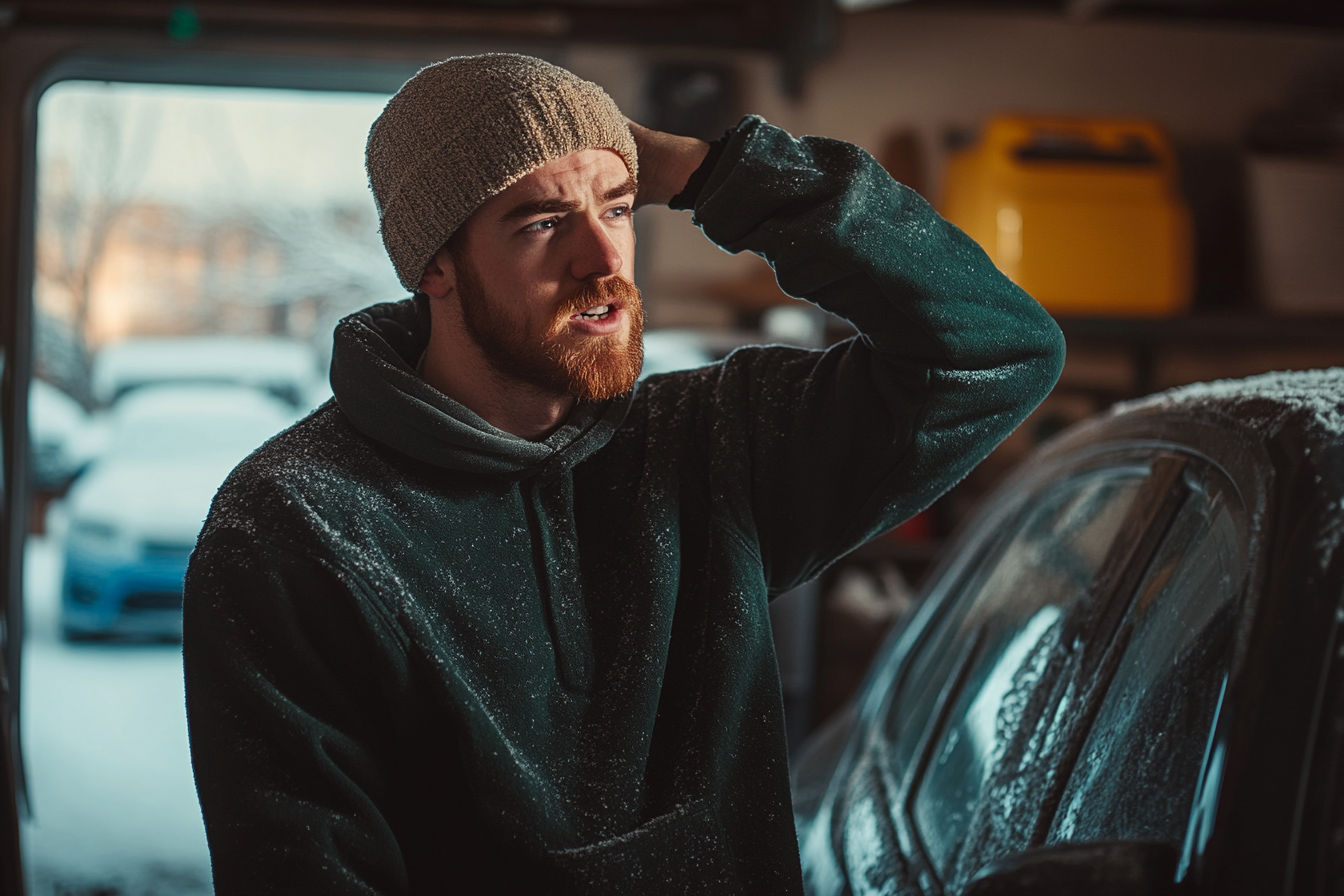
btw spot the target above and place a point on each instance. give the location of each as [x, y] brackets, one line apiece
[669, 350]
[285, 367]
[61, 436]
[135, 513]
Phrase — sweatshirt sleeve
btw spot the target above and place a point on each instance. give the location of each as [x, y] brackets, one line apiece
[816, 452]
[289, 719]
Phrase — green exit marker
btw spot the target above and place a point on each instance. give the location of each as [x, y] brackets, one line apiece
[183, 23]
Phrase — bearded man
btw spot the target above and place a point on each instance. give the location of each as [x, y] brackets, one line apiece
[494, 619]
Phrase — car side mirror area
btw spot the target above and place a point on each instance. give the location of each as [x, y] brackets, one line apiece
[1110, 868]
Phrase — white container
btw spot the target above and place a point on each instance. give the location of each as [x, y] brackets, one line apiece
[1297, 227]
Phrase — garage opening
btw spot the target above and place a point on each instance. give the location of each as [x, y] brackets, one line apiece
[194, 247]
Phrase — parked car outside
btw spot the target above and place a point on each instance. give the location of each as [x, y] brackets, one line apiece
[673, 349]
[61, 436]
[666, 351]
[135, 513]
[1126, 677]
[285, 367]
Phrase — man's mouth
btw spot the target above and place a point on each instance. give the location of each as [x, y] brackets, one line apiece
[597, 312]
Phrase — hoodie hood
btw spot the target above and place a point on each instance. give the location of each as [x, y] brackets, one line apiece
[375, 383]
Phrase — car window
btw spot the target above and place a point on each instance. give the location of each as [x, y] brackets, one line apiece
[1136, 776]
[1000, 630]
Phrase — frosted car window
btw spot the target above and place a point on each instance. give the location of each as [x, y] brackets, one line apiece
[1059, 543]
[1136, 775]
[1014, 610]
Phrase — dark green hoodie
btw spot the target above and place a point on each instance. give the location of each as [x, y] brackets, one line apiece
[426, 656]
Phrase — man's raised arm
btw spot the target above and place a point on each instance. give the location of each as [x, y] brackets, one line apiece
[951, 356]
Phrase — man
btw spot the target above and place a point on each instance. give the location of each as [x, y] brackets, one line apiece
[495, 620]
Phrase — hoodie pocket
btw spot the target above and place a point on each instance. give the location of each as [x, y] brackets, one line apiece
[683, 851]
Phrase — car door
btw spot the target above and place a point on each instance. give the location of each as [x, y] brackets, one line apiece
[1042, 648]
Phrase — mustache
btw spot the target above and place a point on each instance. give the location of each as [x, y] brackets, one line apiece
[600, 292]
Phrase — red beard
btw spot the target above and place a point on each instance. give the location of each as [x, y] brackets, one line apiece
[591, 368]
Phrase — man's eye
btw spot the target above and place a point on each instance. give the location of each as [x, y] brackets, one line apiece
[542, 225]
[619, 211]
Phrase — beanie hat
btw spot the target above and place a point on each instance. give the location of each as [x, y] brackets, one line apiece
[462, 130]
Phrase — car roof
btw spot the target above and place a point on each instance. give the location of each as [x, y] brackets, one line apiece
[1311, 400]
[267, 361]
[175, 401]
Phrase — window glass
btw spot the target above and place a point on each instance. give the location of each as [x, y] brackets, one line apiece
[1136, 775]
[194, 246]
[987, 715]
[1006, 621]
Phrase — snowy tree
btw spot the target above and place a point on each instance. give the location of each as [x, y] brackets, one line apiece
[293, 269]
[92, 156]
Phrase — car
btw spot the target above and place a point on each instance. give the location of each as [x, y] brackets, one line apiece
[666, 351]
[61, 438]
[1126, 676]
[285, 367]
[673, 349]
[134, 515]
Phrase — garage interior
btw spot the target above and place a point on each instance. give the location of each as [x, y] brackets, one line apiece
[1246, 98]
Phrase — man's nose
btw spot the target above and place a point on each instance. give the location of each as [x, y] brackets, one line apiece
[596, 254]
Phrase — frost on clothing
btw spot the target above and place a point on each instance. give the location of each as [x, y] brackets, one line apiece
[423, 655]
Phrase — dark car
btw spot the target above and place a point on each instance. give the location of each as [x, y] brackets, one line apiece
[1127, 676]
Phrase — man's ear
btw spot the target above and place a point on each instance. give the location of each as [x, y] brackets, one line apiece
[440, 277]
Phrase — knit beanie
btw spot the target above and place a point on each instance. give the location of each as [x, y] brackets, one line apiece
[462, 130]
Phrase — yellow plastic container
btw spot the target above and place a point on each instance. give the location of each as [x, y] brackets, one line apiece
[1084, 214]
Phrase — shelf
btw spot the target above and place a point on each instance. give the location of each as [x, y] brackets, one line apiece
[1211, 329]
[1144, 337]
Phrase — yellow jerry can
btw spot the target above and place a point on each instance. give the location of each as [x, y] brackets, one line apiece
[1084, 214]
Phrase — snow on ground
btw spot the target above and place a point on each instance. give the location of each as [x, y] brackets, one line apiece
[105, 743]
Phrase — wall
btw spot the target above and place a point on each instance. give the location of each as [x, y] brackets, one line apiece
[903, 67]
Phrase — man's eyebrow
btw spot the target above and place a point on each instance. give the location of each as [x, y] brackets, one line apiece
[554, 206]
[629, 188]
[541, 207]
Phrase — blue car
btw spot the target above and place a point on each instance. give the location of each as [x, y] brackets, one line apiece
[135, 513]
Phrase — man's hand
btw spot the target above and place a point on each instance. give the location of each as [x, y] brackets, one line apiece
[666, 162]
